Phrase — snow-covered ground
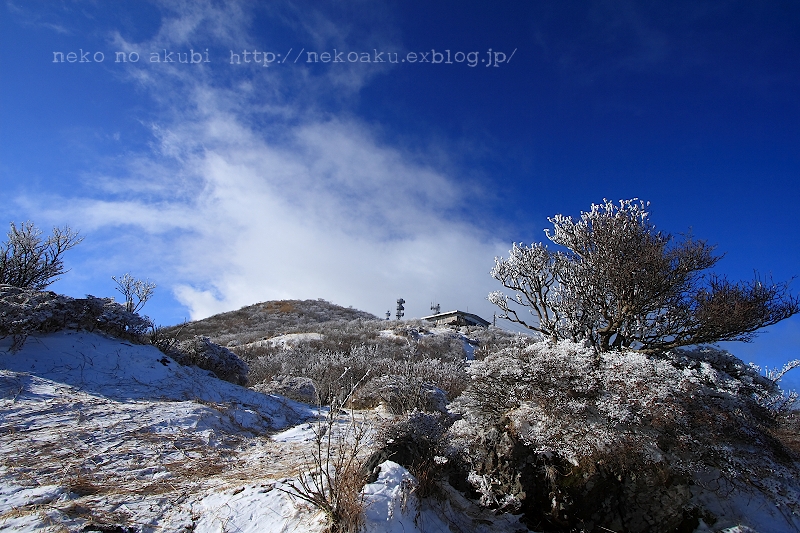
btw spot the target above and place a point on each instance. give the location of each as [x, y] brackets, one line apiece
[98, 434]
[95, 430]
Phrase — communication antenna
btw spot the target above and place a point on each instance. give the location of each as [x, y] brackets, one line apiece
[388, 314]
[436, 308]
[400, 308]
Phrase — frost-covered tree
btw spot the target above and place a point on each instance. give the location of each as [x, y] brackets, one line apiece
[29, 261]
[136, 291]
[619, 283]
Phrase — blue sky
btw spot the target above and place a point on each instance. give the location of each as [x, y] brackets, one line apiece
[362, 182]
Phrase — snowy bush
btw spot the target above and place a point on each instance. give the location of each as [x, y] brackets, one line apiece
[329, 371]
[400, 394]
[26, 311]
[334, 476]
[489, 340]
[136, 291]
[397, 375]
[553, 428]
[203, 353]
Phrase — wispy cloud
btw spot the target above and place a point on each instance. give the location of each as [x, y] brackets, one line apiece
[30, 16]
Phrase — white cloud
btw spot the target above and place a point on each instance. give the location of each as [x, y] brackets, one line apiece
[335, 216]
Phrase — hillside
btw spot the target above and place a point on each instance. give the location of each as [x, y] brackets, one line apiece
[98, 434]
[267, 319]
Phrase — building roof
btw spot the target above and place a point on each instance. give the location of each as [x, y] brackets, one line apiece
[457, 318]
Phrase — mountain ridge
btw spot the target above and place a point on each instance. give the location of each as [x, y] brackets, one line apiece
[266, 319]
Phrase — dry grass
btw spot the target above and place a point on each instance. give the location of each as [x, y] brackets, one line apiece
[787, 432]
[82, 485]
[104, 467]
[99, 520]
[285, 307]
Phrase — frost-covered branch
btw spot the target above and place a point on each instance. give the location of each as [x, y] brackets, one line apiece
[136, 291]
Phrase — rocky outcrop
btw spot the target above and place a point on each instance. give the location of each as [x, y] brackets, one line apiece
[554, 495]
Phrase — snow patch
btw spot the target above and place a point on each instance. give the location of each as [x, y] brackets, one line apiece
[13, 496]
[306, 432]
[258, 508]
[390, 505]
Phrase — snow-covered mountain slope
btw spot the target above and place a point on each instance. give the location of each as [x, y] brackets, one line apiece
[122, 372]
[99, 431]
[97, 434]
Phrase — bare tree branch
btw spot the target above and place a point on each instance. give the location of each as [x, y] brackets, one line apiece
[30, 262]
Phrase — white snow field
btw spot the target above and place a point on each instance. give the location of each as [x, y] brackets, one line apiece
[97, 434]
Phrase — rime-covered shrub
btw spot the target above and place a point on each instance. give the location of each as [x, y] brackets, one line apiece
[566, 399]
[446, 347]
[563, 400]
[559, 430]
[335, 336]
[398, 375]
[334, 373]
[425, 430]
[400, 394]
[203, 353]
[25, 311]
[449, 376]
[28, 261]
[489, 340]
[617, 282]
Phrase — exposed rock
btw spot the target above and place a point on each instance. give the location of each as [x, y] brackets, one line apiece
[201, 352]
[293, 387]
